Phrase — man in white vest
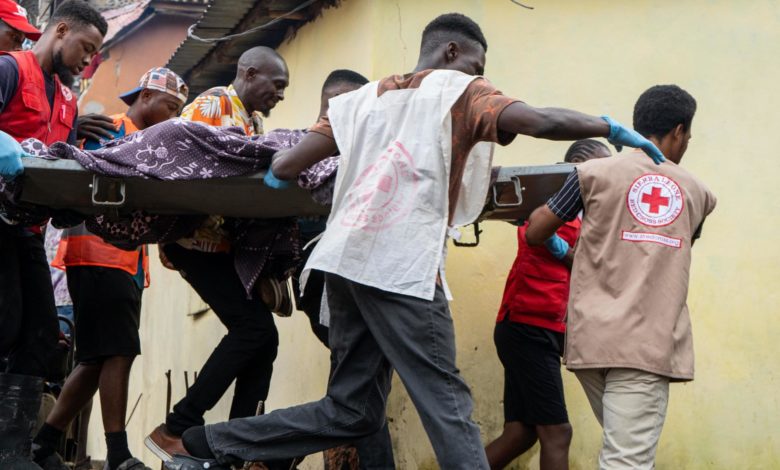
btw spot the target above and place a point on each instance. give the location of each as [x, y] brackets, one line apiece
[628, 330]
[415, 160]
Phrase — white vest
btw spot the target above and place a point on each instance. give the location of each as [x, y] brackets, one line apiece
[389, 219]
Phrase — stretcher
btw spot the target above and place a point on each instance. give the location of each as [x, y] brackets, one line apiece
[64, 184]
[518, 190]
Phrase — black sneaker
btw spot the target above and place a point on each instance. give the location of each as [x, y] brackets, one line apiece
[47, 459]
[186, 462]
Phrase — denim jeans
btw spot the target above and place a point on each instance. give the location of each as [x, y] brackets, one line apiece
[372, 332]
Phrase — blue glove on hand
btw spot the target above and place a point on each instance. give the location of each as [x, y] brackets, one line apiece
[273, 182]
[620, 135]
[557, 246]
[11, 154]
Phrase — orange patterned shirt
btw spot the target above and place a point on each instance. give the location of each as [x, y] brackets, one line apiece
[221, 107]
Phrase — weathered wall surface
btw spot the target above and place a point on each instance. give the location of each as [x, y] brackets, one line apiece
[595, 56]
[149, 46]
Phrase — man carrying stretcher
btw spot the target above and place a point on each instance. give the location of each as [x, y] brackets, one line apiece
[405, 142]
[403, 179]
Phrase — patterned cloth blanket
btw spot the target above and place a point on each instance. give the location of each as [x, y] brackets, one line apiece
[183, 150]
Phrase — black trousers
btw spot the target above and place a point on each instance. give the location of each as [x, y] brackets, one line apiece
[246, 354]
[28, 318]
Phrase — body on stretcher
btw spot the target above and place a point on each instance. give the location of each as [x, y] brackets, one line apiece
[64, 184]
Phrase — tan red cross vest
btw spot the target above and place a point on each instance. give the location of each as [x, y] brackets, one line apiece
[627, 306]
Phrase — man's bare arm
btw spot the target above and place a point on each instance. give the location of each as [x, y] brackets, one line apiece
[551, 123]
[542, 225]
[314, 147]
[565, 124]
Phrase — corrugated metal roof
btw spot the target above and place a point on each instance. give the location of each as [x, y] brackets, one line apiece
[204, 65]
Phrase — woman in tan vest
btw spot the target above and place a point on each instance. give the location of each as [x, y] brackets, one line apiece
[628, 329]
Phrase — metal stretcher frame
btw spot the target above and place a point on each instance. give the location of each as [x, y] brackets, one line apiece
[64, 184]
[518, 190]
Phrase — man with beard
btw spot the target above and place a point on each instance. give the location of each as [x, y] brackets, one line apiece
[207, 261]
[36, 101]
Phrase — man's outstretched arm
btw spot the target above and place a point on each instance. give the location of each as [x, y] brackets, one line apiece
[565, 124]
[314, 147]
[551, 123]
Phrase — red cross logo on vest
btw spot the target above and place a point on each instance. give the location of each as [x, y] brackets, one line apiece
[655, 200]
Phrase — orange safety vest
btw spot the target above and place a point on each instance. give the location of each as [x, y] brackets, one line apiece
[80, 247]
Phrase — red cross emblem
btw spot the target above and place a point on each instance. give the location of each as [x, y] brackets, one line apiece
[655, 200]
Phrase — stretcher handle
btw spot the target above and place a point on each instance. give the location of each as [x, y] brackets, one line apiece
[106, 202]
[515, 180]
[477, 231]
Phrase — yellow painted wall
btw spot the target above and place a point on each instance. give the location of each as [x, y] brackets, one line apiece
[595, 56]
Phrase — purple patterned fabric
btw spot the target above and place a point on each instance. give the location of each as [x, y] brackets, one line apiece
[176, 150]
[186, 150]
[320, 180]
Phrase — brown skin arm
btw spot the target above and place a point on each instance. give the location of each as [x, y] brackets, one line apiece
[517, 118]
[551, 123]
[314, 147]
[95, 126]
[542, 225]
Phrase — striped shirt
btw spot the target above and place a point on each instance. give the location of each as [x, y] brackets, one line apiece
[567, 202]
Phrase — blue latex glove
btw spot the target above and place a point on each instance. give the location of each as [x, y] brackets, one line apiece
[620, 135]
[273, 182]
[11, 154]
[557, 246]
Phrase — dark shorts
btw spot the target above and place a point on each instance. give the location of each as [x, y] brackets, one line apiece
[107, 312]
[533, 388]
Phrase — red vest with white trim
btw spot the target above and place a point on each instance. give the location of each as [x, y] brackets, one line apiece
[28, 114]
[537, 288]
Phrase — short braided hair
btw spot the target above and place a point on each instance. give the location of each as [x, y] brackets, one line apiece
[584, 148]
